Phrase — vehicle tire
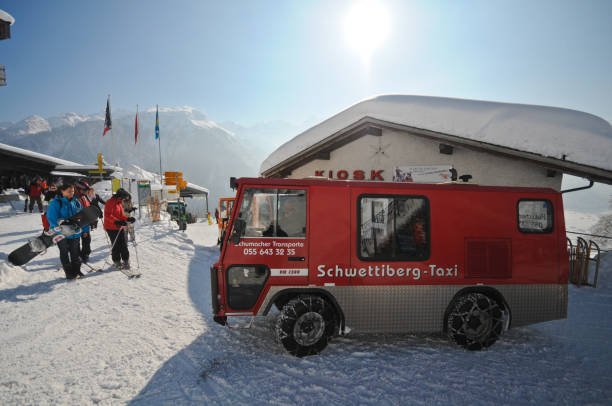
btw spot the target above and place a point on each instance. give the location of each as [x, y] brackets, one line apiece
[305, 325]
[475, 321]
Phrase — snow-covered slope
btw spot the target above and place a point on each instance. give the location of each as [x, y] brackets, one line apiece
[108, 340]
[31, 125]
[70, 120]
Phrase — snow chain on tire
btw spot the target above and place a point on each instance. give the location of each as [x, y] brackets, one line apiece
[475, 322]
[305, 325]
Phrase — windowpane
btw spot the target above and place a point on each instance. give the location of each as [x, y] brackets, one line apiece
[291, 213]
[244, 284]
[394, 227]
[274, 212]
[535, 216]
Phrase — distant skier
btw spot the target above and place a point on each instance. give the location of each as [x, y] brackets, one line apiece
[115, 222]
[36, 191]
[51, 194]
[217, 215]
[62, 207]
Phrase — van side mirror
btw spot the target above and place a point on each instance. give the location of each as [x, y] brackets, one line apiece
[238, 231]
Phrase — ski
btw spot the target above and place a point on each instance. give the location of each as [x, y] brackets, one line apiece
[91, 268]
[127, 272]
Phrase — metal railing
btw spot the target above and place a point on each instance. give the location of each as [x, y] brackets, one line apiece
[583, 258]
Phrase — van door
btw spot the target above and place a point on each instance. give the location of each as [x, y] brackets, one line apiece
[273, 246]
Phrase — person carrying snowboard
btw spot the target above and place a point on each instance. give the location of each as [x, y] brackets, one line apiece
[115, 222]
[63, 207]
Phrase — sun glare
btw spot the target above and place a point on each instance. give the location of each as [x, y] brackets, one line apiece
[366, 28]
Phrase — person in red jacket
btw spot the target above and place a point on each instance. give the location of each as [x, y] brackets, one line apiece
[115, 221]
[35, 191]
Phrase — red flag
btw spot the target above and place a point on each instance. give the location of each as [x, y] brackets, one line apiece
[136, 128]
[107, 119]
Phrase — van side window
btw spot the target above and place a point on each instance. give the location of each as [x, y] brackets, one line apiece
[274, 212]
[393, 228]
[535, 216]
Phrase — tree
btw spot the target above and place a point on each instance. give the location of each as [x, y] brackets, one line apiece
[604, 228]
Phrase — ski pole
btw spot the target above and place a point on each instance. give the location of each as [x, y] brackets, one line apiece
[114, 242]
[117, 237]
[136, 252]
[107, 240]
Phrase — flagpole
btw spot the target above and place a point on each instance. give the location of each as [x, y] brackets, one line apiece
[161, 177]
[137, 131]
[136, 139]
[112, 136]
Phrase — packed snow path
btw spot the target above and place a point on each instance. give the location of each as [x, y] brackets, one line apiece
[105, 339]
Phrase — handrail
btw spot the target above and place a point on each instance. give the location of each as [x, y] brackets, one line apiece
[597, 263]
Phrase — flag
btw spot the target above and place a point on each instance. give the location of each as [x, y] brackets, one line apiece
[107, 120]
[136, 127]
[157, 123]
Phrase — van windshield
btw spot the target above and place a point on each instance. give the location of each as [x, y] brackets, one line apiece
[274, 212]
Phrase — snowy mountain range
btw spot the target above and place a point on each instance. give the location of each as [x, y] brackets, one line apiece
[206, 152]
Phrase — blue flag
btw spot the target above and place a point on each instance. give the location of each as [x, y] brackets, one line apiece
[157, 123]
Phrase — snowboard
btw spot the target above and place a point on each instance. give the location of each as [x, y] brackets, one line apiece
[68, 227]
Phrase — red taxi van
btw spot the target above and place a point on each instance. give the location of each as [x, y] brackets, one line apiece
[334, 256]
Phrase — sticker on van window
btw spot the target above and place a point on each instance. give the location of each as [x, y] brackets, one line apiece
[535, 216]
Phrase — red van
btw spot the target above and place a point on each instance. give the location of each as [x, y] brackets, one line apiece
[334, 256]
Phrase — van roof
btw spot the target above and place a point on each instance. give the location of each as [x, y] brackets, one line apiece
[389, 185]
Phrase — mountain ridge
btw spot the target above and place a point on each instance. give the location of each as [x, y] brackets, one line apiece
[206, 152]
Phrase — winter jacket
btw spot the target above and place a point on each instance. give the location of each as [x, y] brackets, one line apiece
[50, 195]
[113, 211]
[61, 208]
[35, 190]
[83, 200]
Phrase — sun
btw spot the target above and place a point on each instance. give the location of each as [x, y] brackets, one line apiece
[366, 27]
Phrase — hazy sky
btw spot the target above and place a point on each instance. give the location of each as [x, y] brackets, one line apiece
[254, 61]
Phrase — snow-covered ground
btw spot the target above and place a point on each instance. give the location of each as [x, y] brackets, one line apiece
[105, 340]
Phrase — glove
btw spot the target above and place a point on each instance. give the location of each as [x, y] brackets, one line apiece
[68, 222]
[121, 223]
[131, 219]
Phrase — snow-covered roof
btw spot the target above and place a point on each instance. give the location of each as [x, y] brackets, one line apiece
[4, 16]
[194, 189]
[36, 155]
[67, 174]
[79, 167]
[562, 134]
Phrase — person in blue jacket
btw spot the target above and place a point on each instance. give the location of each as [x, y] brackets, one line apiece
[63, 207]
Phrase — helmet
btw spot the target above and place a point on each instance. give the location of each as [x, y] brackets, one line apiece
[123, 194]
[82, 185]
